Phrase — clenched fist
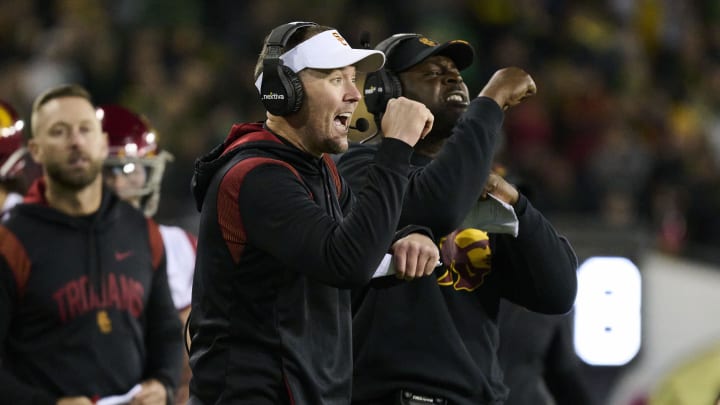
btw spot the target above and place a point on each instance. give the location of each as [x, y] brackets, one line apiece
[406, 120]
[497, 186]
[415, 256]
[509, 86]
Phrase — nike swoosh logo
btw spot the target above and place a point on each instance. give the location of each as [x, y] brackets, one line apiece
[120, 256]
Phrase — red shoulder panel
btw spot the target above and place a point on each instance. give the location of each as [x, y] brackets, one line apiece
[229, 219]
[16, 257]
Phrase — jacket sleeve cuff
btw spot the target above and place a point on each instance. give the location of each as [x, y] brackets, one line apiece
[395, 155]
[401, 233]
[491, 111]
[520, 205]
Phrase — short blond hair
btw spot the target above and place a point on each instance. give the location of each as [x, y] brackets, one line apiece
[63, 90]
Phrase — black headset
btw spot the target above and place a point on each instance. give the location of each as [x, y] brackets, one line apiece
[382, 85]
[281, 90]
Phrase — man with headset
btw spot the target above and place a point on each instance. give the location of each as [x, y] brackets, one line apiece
[282, 238]
[442, 348]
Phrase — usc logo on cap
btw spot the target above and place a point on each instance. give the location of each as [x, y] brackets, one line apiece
[339, 38]
[426, 41]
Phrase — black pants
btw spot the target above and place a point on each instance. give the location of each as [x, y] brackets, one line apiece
[383, 401]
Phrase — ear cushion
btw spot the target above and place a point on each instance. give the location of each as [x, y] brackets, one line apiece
[295, 90]
[379, 88]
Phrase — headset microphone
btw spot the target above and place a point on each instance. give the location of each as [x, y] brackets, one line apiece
[361, 125]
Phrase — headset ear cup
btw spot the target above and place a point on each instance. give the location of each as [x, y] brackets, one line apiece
[379, 88]
[384, 84]
[274, 89]
[282, 92]
[373, 93]
[295, 90]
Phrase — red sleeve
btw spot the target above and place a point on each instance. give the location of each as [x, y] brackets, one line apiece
[231, 224]
[156, 243]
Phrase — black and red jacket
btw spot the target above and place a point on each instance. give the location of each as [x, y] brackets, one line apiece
[279, 247]
[85, 308]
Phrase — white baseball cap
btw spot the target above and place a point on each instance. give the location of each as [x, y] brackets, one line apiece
[329, 50]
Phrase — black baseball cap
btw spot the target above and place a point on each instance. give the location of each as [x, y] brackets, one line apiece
[407, 50]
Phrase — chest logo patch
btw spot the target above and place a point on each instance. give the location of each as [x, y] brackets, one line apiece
[466, 254]
[104, 322]
[120, 256]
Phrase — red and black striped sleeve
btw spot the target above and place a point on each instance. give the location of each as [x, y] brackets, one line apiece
[14, 273]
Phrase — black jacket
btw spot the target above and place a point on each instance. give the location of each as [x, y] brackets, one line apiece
[539, 360]
[440, 336]
[278, 249]
[85, 308]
